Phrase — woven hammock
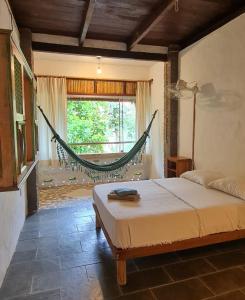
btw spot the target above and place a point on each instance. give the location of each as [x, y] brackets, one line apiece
[117, 168]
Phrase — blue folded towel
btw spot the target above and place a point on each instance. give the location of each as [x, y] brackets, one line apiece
[125, 192]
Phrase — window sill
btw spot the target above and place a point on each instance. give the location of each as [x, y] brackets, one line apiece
[22, 178]
[99, 156]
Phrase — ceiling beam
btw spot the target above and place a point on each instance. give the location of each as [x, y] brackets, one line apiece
[87, 20]
[213, 25]
[146, 26]
[65, 49]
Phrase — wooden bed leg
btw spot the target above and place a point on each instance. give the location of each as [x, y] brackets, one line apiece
[121, 272]
[97, 222]
[97, 218]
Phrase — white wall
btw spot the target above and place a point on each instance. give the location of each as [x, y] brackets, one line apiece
[156, 72]
[12, 217]
[75, 66]
[12, 204]
[217, 63]
[8, 22]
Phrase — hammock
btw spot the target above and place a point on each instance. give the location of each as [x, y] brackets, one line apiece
[69, 158]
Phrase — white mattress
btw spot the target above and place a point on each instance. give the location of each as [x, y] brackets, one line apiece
[169, 210]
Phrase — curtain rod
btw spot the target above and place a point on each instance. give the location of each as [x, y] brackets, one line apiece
[101, 79]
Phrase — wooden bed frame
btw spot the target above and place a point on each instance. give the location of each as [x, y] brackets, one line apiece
[122, 255]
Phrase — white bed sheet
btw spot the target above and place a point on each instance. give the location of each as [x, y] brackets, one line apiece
[169, 210]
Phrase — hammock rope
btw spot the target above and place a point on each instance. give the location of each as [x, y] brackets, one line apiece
[65, 153]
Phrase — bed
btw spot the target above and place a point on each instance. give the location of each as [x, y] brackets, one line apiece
[172, 214]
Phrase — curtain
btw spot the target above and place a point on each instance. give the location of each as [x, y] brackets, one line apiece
[143, 106]
[52, 97]
[143, 117]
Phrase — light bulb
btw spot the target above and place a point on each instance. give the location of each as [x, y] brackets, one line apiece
[98, 71]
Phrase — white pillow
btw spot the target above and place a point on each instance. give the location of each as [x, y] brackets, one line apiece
[234, 186]
[202, 177]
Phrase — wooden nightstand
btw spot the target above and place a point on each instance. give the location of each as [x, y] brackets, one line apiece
[176, 165]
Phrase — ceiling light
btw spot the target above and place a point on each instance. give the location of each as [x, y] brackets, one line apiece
[98, 70]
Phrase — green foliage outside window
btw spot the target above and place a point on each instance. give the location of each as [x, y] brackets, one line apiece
[100, 121]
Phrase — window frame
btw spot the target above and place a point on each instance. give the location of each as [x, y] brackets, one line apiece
[106, 99]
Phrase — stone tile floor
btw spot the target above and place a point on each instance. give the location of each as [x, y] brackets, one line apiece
[60, 255]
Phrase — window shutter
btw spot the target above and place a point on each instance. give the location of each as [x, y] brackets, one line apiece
[76, 86]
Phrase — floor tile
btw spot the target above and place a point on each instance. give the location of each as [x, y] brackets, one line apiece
[28, 245]
[48, 232]
[51, 212]
[58, 279]
[156, 260]
[131, 266]
[226, 260]
[79, 259]
[31, 226]
[187, 269]
[29, 235]
[15, 285]
[108, 286]
[34, 267]
[145, 279]
[93, 235]
[236, 295]
[71, 228]
[233, 245]
[23, 256]
[224, 281]
[61, 248]
[83, 213]
[192, 289]
[71, 237]
[143, 295]
[92, 245]
[83, 236]
[83, 220]
[108, 289]
[108, 269]
[86, 227]
[49, 295]
[101, 270]
[198, 252]
[47, 253]
[47, 242]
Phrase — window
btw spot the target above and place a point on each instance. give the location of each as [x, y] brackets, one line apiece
[101, 125]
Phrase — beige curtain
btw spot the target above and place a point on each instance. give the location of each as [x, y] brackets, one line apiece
[52, 97]
[143, 106]
[143, 116]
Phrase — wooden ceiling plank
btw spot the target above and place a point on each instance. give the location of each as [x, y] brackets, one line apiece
[145, 27]
[212, 26]
[87, 20]
[66, 49]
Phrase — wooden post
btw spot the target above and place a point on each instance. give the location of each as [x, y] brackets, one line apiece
[171, 106]
[121, 271]
[26, 45]
[32, 194]
[8, 176]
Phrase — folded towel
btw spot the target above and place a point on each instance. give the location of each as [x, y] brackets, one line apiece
[124, 192]
[114, 196]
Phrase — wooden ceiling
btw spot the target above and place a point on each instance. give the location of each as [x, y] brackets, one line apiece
[132, 22]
